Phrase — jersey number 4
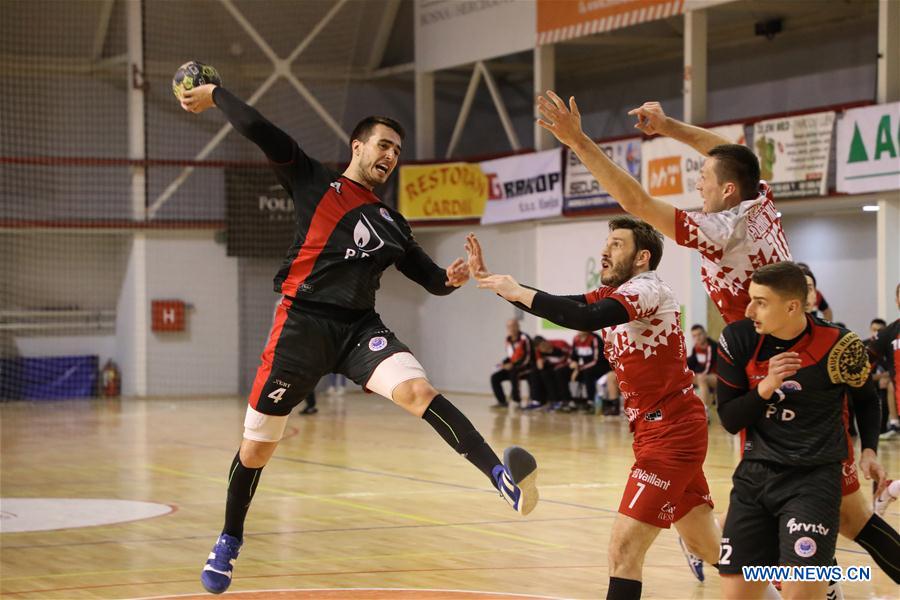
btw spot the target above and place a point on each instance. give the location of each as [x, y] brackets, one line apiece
[277, 394]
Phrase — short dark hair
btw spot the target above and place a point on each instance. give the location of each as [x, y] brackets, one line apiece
[363, 129]
[786, 278]
[808, 272]
[698, 326]
[738, 164]
[645, 237]
[878, 321]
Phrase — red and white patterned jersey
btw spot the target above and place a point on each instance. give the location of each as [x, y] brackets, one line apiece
[649, 355]
[733, 244]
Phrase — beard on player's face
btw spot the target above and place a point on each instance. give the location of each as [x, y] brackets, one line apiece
[617, 270]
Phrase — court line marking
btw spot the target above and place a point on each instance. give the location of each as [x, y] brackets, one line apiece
[366, 508]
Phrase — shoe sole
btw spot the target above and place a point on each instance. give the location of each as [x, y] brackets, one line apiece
[523, 469]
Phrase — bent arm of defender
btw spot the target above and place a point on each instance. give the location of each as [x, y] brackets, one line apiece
[867, 407]
[701, 140]
[568, 312]
[626, 190]
[419, 267]
[738, 405]
[277, 145]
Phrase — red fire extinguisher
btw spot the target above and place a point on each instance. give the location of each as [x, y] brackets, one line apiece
[110, 380]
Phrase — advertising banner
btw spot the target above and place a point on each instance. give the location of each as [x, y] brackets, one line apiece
[559, 20]
[523, 187]
[793, 153]
[868, 149]
[259, 214]
[442, 191]
[670, 169]
[582, 191]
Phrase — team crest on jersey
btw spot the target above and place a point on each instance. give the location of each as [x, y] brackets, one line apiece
[791, 386]
[805, 547]
[377, 343]
[385, 214]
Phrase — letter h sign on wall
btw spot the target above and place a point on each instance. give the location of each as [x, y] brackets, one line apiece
[168, 315]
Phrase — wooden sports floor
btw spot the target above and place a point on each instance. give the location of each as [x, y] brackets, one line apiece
[360, 499]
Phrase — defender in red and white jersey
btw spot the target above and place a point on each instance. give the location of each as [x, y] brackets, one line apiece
[637, 315]
[736, 232]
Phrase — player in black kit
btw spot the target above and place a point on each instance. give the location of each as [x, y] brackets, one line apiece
[345, 238]
[783, 376]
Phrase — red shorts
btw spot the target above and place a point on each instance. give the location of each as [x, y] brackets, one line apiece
[667, 479]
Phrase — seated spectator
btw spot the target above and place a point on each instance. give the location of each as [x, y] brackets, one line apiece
[545, 383]
[587, 364]
[702, 362]
[518, 364]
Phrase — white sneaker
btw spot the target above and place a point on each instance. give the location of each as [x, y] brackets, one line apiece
[331, 391]
[889, 434]
[890, 493]
[341, 390]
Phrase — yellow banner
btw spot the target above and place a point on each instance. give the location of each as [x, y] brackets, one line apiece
[442, 191]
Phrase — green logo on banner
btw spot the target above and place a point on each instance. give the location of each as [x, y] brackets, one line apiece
[884, 142]
[857, 148]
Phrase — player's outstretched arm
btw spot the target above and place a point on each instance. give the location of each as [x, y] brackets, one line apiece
[653, 121]
[277, 145]
[564, 122]
[419, 267]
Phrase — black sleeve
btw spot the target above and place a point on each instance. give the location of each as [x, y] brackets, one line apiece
[419, 267]
[867, 406]
[692, 363]
[275, 143]
[570, 313]
[738, 405]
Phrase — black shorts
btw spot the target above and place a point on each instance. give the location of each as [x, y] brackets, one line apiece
[309, 341]
[781, 515]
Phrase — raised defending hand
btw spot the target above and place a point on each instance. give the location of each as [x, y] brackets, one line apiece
[651, 118]
[457, 273]
[563, 122]
[871, 468]
[198, 99]
[477, 268]
[504, 285]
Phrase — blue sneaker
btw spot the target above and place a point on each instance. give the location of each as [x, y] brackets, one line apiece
[695, 563]
[216, 575]
[516, 479]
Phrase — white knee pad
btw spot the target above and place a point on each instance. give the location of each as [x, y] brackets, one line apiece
[393, 371]
[263, 428]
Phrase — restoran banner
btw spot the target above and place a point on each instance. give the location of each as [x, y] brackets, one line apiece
[670, 169]
[442, 191]
[523, 187]
[582, 191]
[793, 153]
[868, 149]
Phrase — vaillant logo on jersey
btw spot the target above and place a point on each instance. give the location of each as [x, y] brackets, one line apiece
[366, 238]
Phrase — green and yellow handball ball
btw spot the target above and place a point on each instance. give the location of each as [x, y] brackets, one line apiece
[193, 74]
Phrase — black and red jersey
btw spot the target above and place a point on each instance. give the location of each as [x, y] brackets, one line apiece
[802, 424]
[587, 350]
[703, 360]
[344, 236]
[885, 348]
[520, 351]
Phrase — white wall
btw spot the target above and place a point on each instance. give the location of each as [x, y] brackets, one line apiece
[194, 268]
[841, 250]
